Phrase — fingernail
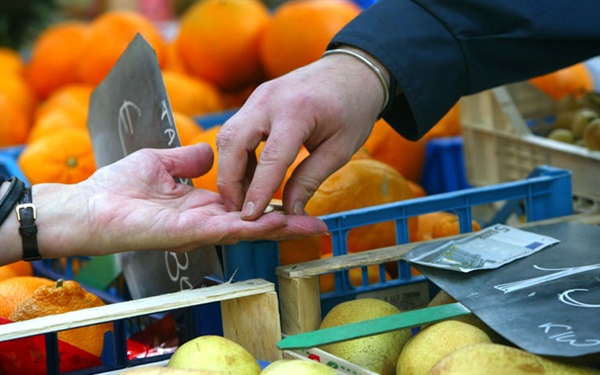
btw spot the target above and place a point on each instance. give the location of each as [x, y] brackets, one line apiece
[248, 209]
[299, 208]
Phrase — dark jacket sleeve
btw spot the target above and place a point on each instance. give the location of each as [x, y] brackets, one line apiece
[440, 50]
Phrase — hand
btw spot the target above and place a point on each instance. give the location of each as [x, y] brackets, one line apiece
[136, 204]
[330, 106]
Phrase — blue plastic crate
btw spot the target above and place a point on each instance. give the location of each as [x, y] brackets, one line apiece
[546, 193]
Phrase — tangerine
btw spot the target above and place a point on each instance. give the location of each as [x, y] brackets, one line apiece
[55, 56]
[11, 61]
[299, 250]
[16, 289]
[359, 184]
[448, 126]
[191, 96]
[56, 119]
[60, 297]
[74, 97]
[300, 31]
[64, 156]
[187, 128]
[438, 224]
[19, 268]
[109, 36]
[388, 146]
[14, 123]
[208, 181]
[16, 88]
[575, 80]
[218, 41]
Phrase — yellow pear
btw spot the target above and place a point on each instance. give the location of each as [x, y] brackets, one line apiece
[297, 367]
[491, 358]
[377, 353]
[161, 370]
[215, 353]
[433, 343]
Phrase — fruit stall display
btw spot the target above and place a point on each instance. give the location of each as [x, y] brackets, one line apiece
[379, 199]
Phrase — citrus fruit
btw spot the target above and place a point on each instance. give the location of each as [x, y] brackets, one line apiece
[14, 123]
[299, 32]
[448, 126]
[74, 97]
[302, 154]
[218, 41]
[16, 289]
[109, 36]
[16, 88]
[358, 184]
[64, 156]
[190, 95]
[55, 56]
[11, 61]
[438, 224]
[60, 297]
[187, 128]
[575, 80]
[19, 268]
[208, 181]
[299, 250]
[59, 118]
[386, 145]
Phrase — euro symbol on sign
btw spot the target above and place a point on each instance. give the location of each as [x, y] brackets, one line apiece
[125, 124]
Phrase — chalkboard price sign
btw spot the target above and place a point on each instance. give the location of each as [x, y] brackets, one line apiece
[130, 110]
[547, 303]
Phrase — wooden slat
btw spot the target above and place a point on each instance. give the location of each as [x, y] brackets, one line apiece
[301, 307]
[394, 253]
[254, 323]
[128, 309]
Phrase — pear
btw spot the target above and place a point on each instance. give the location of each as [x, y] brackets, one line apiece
[433, 343]
[214, 353]
[491, 358]
[591, 135]
[377, 353]
[161, 370]
[562, 135]
[297, 367]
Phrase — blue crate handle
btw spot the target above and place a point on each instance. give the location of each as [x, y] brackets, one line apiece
[545, 194]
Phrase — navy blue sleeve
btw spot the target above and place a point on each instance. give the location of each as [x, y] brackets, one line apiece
[441, 50]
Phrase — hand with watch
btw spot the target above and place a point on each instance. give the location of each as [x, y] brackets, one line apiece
[136, 203]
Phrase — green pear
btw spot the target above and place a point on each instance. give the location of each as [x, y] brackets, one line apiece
[297, 367]
[433, 343]
[215, 353]
[377, 353]
[491, 358]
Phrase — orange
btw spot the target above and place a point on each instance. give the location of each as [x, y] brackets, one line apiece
[16, 289]
[110, 35]
[187, 128]
[208, 181]
[302, 154]
[448, 126]
[173, 61]
[575, 80]
[218, 41]
[14, 122]
[438, 224]
[61, 297]
[190, 95]
[65, 156]
[417, 189]
[327, 281]
[74, 97]
[19, 268]
[386, 145]
[55, 56]
[299, 32]
[17, 90]
[59, 118]
[358, 184]
[10, 61]
[299, 250]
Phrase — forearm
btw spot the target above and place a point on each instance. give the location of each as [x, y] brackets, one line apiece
[61, 223]
[441, 50]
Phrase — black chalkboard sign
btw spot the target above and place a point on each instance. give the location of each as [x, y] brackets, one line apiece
[130, 110]
[547, 303]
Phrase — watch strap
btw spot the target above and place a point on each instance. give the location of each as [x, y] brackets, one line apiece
[11, 197]
[27, 214]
